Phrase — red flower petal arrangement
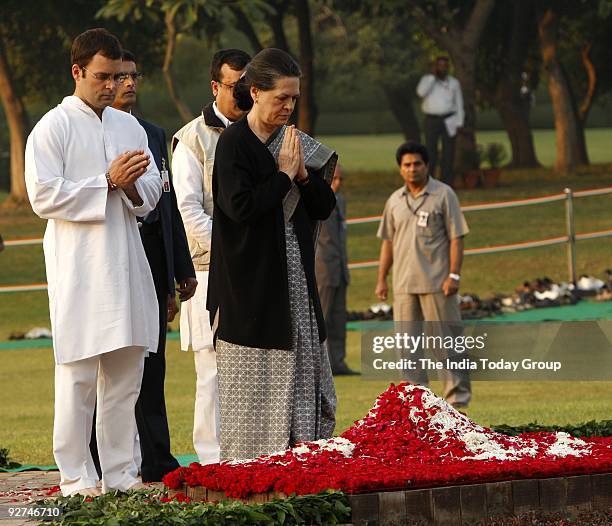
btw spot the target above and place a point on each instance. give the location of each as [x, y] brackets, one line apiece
[410, 439]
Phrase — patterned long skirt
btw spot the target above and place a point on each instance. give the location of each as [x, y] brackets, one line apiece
[272, 398]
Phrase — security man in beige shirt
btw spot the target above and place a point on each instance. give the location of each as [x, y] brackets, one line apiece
[422, 232]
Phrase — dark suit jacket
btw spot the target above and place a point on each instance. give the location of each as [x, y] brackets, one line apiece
[331, 262]
[178, 259]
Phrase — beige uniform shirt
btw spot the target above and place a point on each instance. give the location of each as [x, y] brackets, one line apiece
[420, 228]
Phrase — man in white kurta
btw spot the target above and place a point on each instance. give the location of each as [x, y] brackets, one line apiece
[192, 165]
[102, 299]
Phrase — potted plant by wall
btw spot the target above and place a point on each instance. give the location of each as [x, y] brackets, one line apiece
[495, 154]
[471, 161]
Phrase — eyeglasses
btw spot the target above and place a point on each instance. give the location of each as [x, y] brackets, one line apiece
[136, 76]
[105, 77]
[228, 86]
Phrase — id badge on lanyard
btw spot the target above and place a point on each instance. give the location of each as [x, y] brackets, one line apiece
[165, 177]
[421, 215]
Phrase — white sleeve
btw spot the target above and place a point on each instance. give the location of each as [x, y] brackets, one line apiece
[425, 85]
[52, 195]
[188, 182]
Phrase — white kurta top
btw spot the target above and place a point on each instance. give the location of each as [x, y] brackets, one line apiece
[101, 292]
[194, 198]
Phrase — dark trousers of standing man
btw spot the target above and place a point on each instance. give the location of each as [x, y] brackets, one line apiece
[333, 304]
[151, 418]
[435, 129]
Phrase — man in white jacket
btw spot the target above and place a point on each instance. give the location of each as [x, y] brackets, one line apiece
[192, 165]
[443, 109]
[88, 172]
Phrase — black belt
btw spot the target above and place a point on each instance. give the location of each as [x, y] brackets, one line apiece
[444, 116]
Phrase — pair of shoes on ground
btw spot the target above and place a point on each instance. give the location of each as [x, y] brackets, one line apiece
[97, 492]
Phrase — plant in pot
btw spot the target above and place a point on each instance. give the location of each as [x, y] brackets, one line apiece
[495, 154]
[471, 161]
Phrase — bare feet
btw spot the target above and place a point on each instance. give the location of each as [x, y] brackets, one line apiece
[87, 492]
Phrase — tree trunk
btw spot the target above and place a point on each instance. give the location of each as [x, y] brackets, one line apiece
[307, 110]
[582, 154]
[515, 118]
[402, 109]
[464, 62]
[182, 108]
[18, 124]
[566, 124]
[244, 25]
[514, 108]
[587, 102]
[275, 21]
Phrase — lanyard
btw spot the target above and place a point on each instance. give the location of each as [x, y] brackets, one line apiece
[415, 210]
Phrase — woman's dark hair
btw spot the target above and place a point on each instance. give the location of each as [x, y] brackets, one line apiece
[414, 148]
[93, 41]
[263, 71]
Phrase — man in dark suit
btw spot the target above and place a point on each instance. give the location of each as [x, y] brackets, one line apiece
[165, 243]
[331, 268]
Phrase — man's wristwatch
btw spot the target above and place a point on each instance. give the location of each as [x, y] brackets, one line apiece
[456, 277]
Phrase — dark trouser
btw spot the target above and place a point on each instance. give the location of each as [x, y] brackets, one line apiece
[434, 130]
[333, 304]
[151, 418]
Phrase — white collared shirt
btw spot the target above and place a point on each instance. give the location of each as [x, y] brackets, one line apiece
[226, 122]
[442, 97]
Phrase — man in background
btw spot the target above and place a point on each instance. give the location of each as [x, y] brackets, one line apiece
[422, 233]
[443, 109]
[165, 243]
[193, 158]
[331, 269]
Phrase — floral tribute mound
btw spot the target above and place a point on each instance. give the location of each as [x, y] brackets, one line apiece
[409, 439]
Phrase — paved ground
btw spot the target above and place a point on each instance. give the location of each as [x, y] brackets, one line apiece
[20, 489]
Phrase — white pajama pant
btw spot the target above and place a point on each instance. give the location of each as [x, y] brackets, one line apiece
[113, 379]
[206, 418]
[197, 334]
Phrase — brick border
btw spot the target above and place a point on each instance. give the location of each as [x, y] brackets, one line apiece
[458, 505]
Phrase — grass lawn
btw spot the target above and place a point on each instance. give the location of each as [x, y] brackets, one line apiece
[366, 194]
[26, 391]
[377, 152]
[26, 376]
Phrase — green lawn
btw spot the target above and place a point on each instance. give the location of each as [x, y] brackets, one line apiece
[377, 152]
[26, 391]
[26, 376]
